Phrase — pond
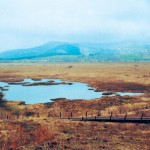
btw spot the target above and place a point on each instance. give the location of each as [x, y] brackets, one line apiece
[41, 91]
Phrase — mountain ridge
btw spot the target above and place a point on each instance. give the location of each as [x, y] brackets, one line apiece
[118, 51]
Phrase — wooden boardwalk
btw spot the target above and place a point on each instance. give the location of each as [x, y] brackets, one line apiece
[112, 119]
[98, 118]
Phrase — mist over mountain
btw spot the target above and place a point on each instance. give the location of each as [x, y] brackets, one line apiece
[81, 52]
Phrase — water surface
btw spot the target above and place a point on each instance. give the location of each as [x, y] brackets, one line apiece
[44, 93]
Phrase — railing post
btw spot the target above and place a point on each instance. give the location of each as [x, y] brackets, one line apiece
[48, 114]
[82, 117]
[71, 115]
[98, 114]
[38, 115]
[142, 116]
[125, 117]
[95, 117]
[111, 115]
[86, 114]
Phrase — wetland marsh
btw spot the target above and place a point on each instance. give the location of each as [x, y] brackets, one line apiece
[44, 90]
[59, 134]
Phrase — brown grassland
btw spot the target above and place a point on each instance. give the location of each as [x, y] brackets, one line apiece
[38, 126]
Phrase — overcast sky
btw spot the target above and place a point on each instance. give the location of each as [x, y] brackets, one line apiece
[27, 23]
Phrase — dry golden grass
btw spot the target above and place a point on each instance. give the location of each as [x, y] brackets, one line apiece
[55, 134]
[84, 72]
[59, 134]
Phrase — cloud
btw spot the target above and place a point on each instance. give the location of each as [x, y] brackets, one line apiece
[26, 23]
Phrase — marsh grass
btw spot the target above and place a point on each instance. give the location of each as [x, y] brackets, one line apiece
[32, 131]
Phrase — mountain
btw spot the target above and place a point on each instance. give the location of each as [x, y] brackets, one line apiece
[67, 51]
[48, 49]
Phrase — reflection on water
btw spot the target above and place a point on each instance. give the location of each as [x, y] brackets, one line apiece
[43, 93]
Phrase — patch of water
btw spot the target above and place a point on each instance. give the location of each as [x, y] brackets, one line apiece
[42, 80]
[44, 93]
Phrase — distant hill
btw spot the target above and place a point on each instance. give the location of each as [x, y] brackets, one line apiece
[80, 52]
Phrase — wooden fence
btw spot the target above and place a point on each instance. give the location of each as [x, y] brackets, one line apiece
[98, 117]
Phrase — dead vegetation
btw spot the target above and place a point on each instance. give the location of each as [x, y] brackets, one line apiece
[55, 134]
[37, 126]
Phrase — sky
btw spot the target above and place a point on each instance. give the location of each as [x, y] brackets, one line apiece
[28, 23]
